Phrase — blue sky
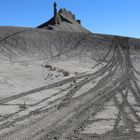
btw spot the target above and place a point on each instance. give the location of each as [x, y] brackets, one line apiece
[117, 17]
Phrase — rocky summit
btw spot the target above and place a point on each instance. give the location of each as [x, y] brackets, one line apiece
[63, 20]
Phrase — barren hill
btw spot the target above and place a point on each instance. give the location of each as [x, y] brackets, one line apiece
[62, 82]
[29, 43]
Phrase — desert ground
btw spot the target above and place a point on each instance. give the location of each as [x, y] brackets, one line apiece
[68, 86]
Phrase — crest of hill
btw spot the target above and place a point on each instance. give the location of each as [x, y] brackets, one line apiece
[18, 43]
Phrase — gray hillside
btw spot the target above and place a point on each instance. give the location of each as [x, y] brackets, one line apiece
[18, 43]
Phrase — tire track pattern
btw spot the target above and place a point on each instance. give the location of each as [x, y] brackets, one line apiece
[118, 82]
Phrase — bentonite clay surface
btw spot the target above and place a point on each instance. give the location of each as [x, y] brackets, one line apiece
[68, 86]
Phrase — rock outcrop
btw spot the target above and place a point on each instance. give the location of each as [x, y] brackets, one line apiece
[63, 20]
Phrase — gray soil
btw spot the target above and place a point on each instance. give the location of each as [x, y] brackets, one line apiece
[69, 119]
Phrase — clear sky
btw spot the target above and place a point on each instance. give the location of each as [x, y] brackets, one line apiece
[119, 17]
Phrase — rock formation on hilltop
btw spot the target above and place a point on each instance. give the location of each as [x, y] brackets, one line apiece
[63, 20]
